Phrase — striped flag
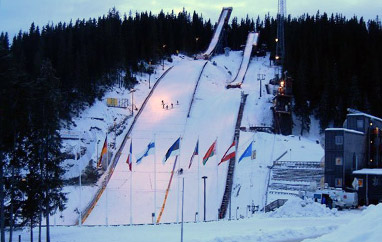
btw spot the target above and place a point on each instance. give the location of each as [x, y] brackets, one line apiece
[148, 151]
[230, 153]
[103, 152]
[196, 152]
[210, 152]
[130, 156]
[173, 150]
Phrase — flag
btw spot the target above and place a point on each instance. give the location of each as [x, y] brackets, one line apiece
[230, 153]
[196, 152]
[103, 151]
[173, 150]
[247, 152]
[130, 156]
[148, 151]
[210, 152]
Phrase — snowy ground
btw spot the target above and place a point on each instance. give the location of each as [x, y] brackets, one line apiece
[294, 222]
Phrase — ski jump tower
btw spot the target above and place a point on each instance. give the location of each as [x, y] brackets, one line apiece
[280, 40]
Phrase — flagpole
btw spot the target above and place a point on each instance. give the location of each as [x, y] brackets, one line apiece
[217, 179]
[155, 183]
[107, 170]
[177, 200]
[197, 179]
[131, 186]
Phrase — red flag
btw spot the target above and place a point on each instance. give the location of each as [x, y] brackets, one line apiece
[230, 153]
[210, 152]
[104, 151]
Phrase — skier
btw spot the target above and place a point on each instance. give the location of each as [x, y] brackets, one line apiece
[163, 105]
[167, 107]
[172, 105]
[177, 102]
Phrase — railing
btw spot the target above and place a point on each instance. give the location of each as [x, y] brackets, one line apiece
[196, 87]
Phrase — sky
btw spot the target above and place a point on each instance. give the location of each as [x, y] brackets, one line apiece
[19, 14]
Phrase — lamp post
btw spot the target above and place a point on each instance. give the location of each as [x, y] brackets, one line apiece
[132, 90]
[204, 179]
[196, 43]
[149, 73]
[163, 46]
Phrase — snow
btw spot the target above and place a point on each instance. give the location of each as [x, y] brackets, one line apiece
[345, 130]
[217, 32]
[257, 228]
[367, 228]
[296, 207]
[368, 172]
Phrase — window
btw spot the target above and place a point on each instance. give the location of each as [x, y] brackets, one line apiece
[338, 182]
[338, 161]
[360, 124]
[339, 139]
[360, 182]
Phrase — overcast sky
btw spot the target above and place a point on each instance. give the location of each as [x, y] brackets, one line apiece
[19, 14]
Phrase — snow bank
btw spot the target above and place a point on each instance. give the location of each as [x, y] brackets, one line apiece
[296, 207]
[366, 227]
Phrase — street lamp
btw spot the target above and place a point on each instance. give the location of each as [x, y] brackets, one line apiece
[204, 179]
[149, 73]
[132, 90]
[163, 46]
[196, 42]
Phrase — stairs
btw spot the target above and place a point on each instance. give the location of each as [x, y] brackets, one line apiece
[231, 166]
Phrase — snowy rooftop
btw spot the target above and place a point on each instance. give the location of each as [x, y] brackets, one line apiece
[343, 129]
[365, 115]
[368, 172]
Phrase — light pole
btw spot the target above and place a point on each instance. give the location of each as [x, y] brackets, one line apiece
[204, 179]
[97, 148]
[196, 43]
[163, 46]
[132, 90]
[149, 73]
[260, 77]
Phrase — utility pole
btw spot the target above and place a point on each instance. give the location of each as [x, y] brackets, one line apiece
[260, 77]
[204, 178]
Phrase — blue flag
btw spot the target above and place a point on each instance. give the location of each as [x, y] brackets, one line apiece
[173, 150]
[148, 151]
[247, 152]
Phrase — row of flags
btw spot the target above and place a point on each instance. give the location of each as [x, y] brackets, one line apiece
[175, 148]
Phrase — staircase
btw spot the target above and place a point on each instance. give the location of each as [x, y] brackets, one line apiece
[231, 166]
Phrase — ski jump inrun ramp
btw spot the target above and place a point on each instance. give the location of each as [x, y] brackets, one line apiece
[223, 19]
[251, 41]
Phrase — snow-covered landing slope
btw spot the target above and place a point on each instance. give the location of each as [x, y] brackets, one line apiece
[165, 126]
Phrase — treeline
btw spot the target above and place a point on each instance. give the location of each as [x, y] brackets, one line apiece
[336, 64]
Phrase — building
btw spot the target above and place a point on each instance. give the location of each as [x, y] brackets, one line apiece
[352, 149]
[369, 182]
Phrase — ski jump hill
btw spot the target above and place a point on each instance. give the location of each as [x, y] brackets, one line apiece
[145, 188]
[239, 79]
[223, 19]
